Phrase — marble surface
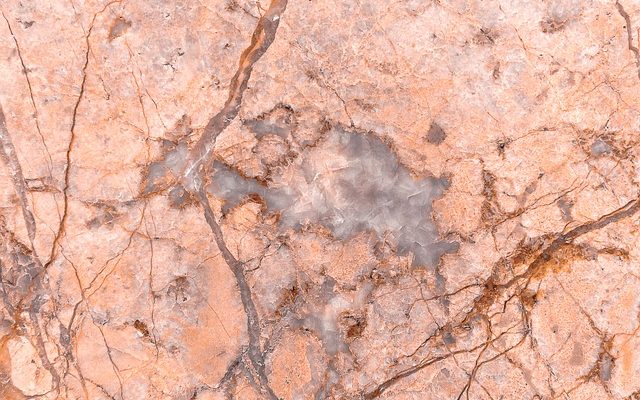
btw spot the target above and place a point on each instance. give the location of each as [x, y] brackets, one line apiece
[233, 199]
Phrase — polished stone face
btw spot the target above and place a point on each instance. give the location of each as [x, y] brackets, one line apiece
[233, 199]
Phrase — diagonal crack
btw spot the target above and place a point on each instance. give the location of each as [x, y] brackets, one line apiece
[493, 290]
[634, 49]
[621, 213]
[114, 366]
[263, 36]
[382, 387]
[253, 322]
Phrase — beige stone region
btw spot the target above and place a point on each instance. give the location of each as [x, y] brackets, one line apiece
[281, 199]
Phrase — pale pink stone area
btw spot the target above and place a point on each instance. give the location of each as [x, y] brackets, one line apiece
[422, 199]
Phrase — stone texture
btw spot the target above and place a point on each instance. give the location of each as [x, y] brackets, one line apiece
[233, 199]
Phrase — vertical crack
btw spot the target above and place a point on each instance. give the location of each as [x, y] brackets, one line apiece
[263, 35]
[65, 210]
[34, 298]
[33, 102]
[253, 322]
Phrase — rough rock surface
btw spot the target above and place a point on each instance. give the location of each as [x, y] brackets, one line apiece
[240, 199]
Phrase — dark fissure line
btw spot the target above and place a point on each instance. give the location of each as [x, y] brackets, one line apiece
[8, 153]
[263, 35]
[253, 321]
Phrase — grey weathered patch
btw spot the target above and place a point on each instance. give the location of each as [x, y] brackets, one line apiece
[350, 183]
[565, 208]
[171, 165]
[606, 364]
[448, 338]
[599, 147]
[261, 128]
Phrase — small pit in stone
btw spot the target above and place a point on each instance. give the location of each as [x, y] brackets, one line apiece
[600, 147]
[552, 25]
[119, 28]
[141, 327]
[436, 134]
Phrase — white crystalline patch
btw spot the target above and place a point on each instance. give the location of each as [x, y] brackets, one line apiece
[350, 183]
